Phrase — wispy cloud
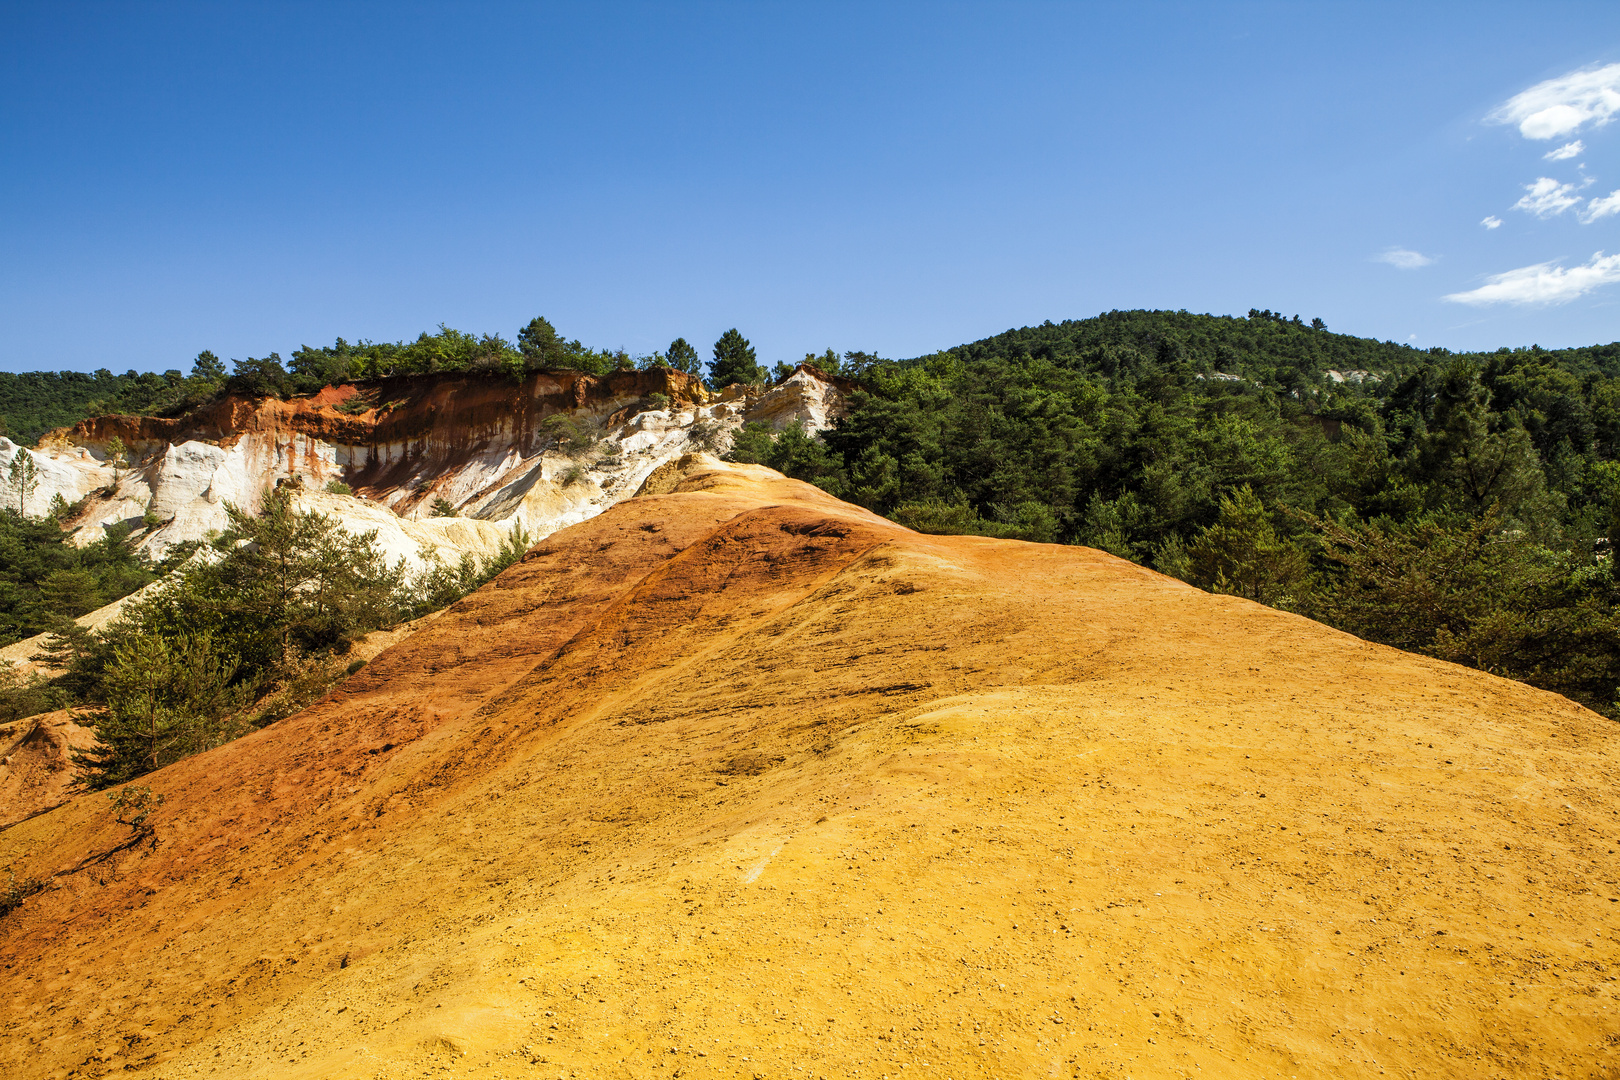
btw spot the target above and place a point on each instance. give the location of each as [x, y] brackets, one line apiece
[1602, 207]
[1543, 283]
[1564, 105]
[1403, 259]
[1547, 198]
[1565, 152]
[1492, 222]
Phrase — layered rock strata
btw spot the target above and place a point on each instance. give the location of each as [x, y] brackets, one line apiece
[549, 451]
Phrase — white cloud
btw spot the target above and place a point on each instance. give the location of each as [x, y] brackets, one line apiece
[1403, 259]
[1547, 198]
[1492, 222]
[1543, 283]
[1602, 207]
[1564, 105]
[1565, 152]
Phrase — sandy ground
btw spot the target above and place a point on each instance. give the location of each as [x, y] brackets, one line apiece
[36, 763]
[741, 781]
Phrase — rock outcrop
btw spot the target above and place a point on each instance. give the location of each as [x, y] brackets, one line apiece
[543, 453]
[738, 779]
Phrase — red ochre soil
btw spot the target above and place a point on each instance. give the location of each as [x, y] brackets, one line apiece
[744, 781]
[36, 764]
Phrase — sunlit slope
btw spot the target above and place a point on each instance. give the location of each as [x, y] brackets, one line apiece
[744, 781]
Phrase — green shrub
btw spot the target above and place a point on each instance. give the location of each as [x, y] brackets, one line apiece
[752, 444]
[793, 451]
[27, 695]
[707, 436]
[132, 806]
[179, 671]
[338, 487]
[1242, 554]
[166, 698]
[570, 435]
[16, 890]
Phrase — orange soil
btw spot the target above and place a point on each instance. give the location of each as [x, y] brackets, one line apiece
[744, 781]
[36, 763]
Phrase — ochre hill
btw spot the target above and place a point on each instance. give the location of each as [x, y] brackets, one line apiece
[740, 780]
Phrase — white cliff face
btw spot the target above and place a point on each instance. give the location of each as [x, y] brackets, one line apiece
[73, 474]
[801, 398]
[496, 480]
[416, 543]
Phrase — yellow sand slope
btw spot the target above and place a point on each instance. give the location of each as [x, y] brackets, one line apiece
[743, 781]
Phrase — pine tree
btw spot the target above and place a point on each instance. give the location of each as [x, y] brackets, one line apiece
[117, 457]
[734, 361]
[23, 479]
[301, 576]
[540, 345]
[682, 357]
[167, 698]
[1242, 555]
[208, 367]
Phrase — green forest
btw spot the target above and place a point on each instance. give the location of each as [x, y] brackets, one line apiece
[1463, 505]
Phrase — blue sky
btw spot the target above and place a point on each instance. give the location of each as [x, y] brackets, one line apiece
[888, 177]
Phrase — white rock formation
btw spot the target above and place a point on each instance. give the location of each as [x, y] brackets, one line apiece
[494, 487]
[496, 480]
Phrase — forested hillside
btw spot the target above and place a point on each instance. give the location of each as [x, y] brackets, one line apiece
[1457, 504]
[34, 402]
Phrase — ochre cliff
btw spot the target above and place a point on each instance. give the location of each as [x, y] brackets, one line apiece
[431, 413]
[739, 780]
[389, 457]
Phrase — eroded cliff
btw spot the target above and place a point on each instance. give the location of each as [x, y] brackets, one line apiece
[550, 451]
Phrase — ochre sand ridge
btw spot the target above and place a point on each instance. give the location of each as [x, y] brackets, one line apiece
[743, 781]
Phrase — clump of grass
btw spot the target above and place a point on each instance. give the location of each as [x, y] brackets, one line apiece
[16, 890]
[707, 435]
[132, 806]
[338, 487]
